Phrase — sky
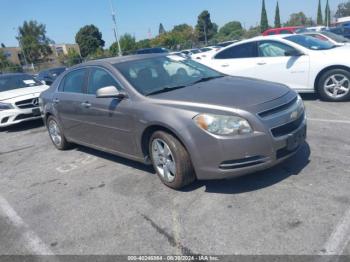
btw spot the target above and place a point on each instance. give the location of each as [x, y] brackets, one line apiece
[64, 18]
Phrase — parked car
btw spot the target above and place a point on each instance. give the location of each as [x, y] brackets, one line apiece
[281, 30]
[343, 31]
[310, 29]
[330, 37]
[154, 50]
[19, 98]
[49, 75]
[192, 123]
[205, 51]
[304, 63]
[189, 52]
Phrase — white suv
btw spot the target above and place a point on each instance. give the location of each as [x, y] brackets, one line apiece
[19, 95]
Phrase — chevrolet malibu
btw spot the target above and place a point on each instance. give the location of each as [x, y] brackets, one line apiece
[189, 121]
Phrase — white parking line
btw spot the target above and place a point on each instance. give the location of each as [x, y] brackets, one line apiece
[339, 238]
[31, 241]
[329, 120]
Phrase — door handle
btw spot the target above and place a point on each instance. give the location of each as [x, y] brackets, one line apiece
[86, 104]
[225, 65]
[261, 63]
[56, 100]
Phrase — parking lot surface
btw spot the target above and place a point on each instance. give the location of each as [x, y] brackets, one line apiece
[83, 201]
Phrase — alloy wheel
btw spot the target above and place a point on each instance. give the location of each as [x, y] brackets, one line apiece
[55, 133]
[337, 86]
[164, 160]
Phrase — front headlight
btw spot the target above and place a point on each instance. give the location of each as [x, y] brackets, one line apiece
[223, 125]
[5, 106]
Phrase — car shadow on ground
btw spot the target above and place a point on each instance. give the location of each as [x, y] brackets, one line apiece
[253, 182]
[24, 126]
[309, 97]
[117, 159]
[258, 180]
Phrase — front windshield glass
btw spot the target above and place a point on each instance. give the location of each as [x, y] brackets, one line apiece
[164, 73]
[11, 82]
[310, 42]
[335, 37]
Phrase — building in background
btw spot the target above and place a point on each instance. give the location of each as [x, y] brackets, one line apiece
[14, 55]
[62, 49]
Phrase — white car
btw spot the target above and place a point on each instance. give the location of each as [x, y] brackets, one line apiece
[19, 95]
[330, 37]
[205, 52]
[304, 63]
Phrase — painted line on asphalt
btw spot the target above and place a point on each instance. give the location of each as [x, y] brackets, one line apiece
[339, 238]
[176, 230]
[329, 120]
[31, 240]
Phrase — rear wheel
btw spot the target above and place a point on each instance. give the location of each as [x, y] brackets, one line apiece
[56, 134]
[334, 85]
[170, 160]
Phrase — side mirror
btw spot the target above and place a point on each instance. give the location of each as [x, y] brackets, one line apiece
[110, 92]
[43, 82]
[293, 53]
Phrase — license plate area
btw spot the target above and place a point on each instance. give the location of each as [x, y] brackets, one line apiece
[296, 139]
[36, 112]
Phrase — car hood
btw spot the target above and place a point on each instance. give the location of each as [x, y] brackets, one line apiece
[7, 95]
[233, 92]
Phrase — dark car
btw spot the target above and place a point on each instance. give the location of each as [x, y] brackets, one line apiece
[343, 31]
[188, 120]
[48, 76]
[154, 50]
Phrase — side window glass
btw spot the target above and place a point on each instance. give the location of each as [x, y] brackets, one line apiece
[285, 32]
[273, 49]
[247, 50]
[74, 82]
[100, 78]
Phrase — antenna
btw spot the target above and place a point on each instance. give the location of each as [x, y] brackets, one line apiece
[115, 28]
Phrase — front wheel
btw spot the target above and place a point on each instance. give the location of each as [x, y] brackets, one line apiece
[334, 85]
[171, 160]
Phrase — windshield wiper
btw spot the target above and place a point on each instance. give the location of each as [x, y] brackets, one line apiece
[204, 79]
[166, 89]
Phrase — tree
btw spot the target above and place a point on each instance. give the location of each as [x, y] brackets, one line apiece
[299, 19]
[89, 39]
[231, 30]
[127, 44]
[343, 9]
[33, 41]
[3, 45]
[277, 16]
[161, 29]
[205, 29]
[264, 23]
[327, 15]
[252, 32]
[319, 14]
[145, 43]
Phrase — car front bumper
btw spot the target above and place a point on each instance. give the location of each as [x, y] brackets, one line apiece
[15, 116]
[221, 158]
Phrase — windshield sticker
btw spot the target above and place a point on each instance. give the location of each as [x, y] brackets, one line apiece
[29, 82]
[176, 58]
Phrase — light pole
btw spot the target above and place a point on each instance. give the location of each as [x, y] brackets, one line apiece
[115, 29]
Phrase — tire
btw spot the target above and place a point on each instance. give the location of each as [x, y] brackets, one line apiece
[177, 158]
[60, 143]
[337, 90]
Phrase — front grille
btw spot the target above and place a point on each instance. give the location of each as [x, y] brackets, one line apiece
[240, 163]
[24, 116]
[28, 103]
[288, 128]
[278, 109]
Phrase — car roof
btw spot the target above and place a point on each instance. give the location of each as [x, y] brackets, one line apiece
[121, 59]
[13, 74]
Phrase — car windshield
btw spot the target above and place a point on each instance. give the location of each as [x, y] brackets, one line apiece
[335, 37]
[11, 82]
[57, 71]
[310, 42]
[164, 73]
